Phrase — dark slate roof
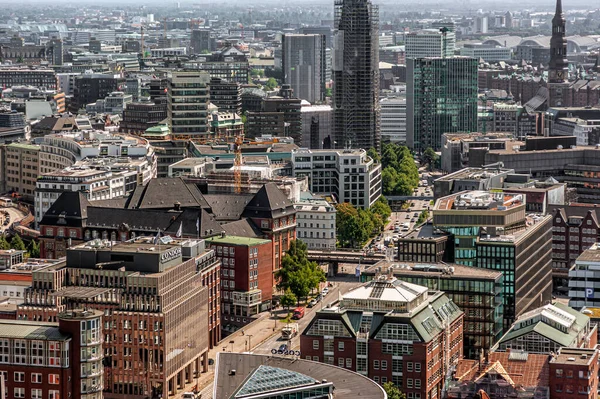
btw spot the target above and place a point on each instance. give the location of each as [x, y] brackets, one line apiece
[70, 209]
[268, 202]
[187, 220]
[163, 193]
[227, 207]
[150, 220]
[242, 228]
[110, 203]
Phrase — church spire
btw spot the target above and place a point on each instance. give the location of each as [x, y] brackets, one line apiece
[558, 8]
[559, 66]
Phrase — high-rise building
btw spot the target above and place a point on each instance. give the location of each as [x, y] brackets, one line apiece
[441, 98]
[356, 75]
[558, 72]
[201, 41]
[393, 120]
[303, 65]
[227, 96]
[187, 105]
[430, 43]
[279, 116]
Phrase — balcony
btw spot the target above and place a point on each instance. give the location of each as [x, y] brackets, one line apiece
[247, 298]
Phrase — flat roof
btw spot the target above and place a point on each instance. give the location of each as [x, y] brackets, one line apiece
[592, 254]
[24, 146]
[578, 356]
[31, 330]
[479, 201]
[433, 270]
[236, 240]
[475, 173]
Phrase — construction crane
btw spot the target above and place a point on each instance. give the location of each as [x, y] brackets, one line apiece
[241, 26]
[142, 41]
[237, 164]
[165, 27]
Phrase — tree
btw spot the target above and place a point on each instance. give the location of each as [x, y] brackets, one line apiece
[288, 299]
[17, 243]
[423, 216]
[389, 180]
[271, 84]
[256, 73]
[297, 273]
[328, 93]
[372, 152]
[381, 207]
[429, 158]
[33, 249]
[4, 245]
[392, 391]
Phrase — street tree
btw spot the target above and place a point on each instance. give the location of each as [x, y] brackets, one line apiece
[392, 391]
[297, 273]
[17, 243]
[288, 299]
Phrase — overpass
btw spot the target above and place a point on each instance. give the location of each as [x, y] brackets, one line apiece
[340, 256]
[407, 198]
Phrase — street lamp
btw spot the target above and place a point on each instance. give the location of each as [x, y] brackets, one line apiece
[249, 342]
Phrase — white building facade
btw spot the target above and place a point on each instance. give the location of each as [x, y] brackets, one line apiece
[348, 175]
[315, 223]
[393, 120]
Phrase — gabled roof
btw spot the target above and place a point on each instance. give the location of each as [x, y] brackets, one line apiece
[268, 202]
[70, 209]
[227, 207]
[242, 228]
[187, 220]
[149, 220]
[161, 193]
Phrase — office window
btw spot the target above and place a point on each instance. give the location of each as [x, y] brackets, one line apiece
[341, 346]
[52, 394]
[348, 362]
[19, 376]
[19, 392]
[384, 364]
[375, 364]
[409, 382]
[54, 379]
[417, 367]
[341, 362]
[315, 344]
[36, 393]
[417, 383]
[36, 378]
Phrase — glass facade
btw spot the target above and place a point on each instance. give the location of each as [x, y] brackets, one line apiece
[444, 99]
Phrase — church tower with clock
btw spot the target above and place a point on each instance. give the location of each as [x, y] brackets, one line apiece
[558, 73]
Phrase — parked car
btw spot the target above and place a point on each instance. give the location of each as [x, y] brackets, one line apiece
[312, 303]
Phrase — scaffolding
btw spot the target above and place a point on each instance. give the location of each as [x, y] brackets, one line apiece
[357, 112]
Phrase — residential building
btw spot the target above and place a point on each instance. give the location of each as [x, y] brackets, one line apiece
[356, 75]
[140, 116]
[187, 105]
[575, 231]
[488, 54]
[349, 175]
[91, 87]
[492, 231]
[270, 377]
[53, 360]
[441, 98]
[389, 330]
[11, 76]
[430, 43]
[316, 223]
[393, 120]
[499, 375]
[477, 292]
[303, 65]
[21, 169]
[574, 373]
[226, 126]
[153, 295]
[548, 328]
[280, 116]
[317, 126]
[226, 95]
[584, 277]
[246, 278]
[230, 64]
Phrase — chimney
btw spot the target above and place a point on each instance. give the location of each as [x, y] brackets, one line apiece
[177, 206]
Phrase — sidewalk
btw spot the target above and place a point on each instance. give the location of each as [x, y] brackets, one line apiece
[260, 330]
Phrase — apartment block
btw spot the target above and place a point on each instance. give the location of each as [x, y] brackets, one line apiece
[349, 175]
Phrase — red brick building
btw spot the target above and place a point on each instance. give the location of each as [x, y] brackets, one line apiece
[157, 326]
[274, 214]
[49, 360]
[574, 229]
[574, 374]
[246, 278]
[390, 330]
